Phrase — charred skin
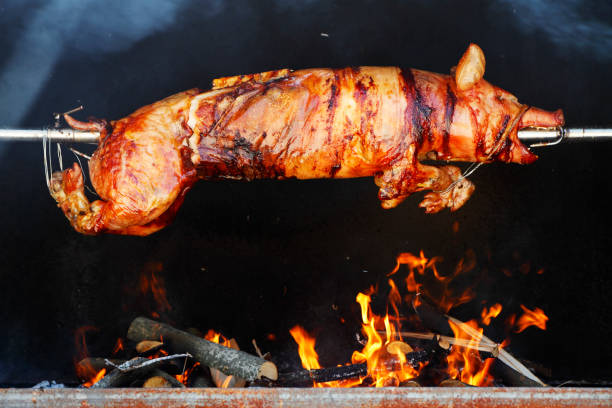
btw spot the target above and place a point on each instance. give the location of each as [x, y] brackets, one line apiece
[314, 123]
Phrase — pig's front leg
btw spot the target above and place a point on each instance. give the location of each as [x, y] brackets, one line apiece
[408, 176]
[450, 190]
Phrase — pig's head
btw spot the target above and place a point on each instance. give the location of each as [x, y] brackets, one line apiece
[486, 118]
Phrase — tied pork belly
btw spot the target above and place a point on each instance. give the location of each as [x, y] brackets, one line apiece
[313, 123]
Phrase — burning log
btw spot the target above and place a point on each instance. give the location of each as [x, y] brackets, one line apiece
[512, 371]
[410, 383]
[225, 359]
[227, 381]
[305, 378]
[88, 367]
[161, 379]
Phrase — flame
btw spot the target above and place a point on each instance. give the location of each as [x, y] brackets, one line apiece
[491, 313]
[310, 358]
[83, 370]
[464, 363]
[184, 377]
[96, 378]
[218, 338]
[150, 281]
[118, 346]
[384, 369]
[306, 350]
[534, 317]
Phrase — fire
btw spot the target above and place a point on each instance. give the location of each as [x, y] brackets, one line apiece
[118, 346]
[84, 370]
[96, 378]
[464, 363]
[534, 317]
[384, 369]
[306, 350]
[386, 365]
[218, 338]
[491, 313]
[310, 358]
[151, 282]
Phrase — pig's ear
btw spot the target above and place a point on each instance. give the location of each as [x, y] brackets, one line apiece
[471, 68]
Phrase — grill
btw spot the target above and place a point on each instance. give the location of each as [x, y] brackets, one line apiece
[526, 397]
[252, 260]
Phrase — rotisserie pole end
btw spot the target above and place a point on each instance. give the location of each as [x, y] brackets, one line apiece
[533, 137]
[64, 135]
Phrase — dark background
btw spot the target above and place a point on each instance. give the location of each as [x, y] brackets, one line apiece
[250, 259]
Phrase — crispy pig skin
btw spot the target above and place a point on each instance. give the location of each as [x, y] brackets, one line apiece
[313, 123]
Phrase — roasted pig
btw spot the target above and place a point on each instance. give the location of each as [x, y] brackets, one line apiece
[312, 123]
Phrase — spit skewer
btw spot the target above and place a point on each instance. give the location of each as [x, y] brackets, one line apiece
[64, 135]
[532, 137]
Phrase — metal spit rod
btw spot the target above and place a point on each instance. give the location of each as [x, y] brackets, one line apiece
[532, 137]
[52, 134]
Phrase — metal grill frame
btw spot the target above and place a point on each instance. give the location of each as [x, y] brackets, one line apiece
[308, 398]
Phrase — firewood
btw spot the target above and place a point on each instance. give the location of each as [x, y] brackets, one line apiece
[398, 347]
[451, 382]
[225, 359]
[306, 378]
[512, 371]
[148, 346]
[227, 381]
[161, 379]
[446, 342]
[156, 382]
[410, 383]
[131, 370]
[88, 367]
[201, 381]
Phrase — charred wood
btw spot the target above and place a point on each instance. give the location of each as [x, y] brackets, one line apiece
[306, 378]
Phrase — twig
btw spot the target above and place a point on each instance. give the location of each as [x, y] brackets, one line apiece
[130, 366]
[443, 341]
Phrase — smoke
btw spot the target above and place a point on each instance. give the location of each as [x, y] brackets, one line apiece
[571, 25]
[88, 26]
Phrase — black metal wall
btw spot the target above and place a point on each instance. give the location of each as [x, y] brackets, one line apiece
[256, 258]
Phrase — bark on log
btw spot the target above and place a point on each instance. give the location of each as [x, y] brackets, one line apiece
[227, 381]
[225, 359]
[118, 378]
